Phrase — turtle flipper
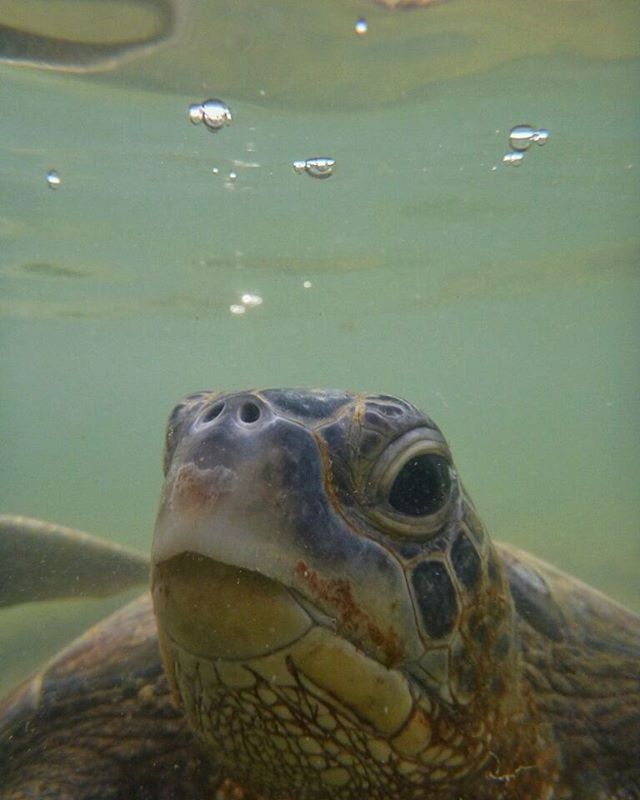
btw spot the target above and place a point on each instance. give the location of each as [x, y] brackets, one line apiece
[582, 660]
[98, 722]
[43, 561]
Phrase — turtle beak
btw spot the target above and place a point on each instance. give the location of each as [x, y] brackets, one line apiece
[220, 611]
[218, 577]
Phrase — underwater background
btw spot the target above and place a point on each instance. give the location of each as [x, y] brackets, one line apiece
[143, 257]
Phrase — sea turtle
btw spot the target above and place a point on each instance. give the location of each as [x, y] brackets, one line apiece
[335, 624]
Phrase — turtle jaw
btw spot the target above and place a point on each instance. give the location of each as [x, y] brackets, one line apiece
[219, 611]
[255, 672]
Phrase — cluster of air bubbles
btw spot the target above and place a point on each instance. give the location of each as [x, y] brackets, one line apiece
[521, 137]
[215, 114]
[230, 178]
[53, 179]
[361, 27]
[317, 167]
[247, 300]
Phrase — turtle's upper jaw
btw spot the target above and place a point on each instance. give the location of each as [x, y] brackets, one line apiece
[249, 486]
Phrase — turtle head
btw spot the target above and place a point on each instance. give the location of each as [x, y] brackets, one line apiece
[316, 558]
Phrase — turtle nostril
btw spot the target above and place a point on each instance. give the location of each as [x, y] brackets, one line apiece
[249, 412]
[213, 412]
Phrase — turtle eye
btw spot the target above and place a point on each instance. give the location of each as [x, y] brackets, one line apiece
[422, 486]
[412, 486]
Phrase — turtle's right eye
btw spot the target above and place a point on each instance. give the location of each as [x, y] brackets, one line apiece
[422, 486]
[412, 484]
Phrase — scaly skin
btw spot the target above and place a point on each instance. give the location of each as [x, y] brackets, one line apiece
[317, 719]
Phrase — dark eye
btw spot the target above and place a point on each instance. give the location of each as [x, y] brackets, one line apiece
[422, 486]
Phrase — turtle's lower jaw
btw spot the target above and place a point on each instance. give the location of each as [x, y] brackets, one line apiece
[277, 696]
[226, 618]
[215, 610]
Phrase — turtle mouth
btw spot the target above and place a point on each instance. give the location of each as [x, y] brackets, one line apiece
[305, 561]
[220, 584]
[218, 610]
[225, 631]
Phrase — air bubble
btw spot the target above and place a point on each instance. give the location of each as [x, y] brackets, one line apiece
[520, 137]
[251, 300]
[306, 284]
[540, 137]
[195, 113]
[237, 309]
[53, 179]
[523, 136]
[317, 167]
[513, 159]
[361, 27]
[230, 180]
[214, 113]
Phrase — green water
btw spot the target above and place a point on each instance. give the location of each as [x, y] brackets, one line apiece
[505, 301]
